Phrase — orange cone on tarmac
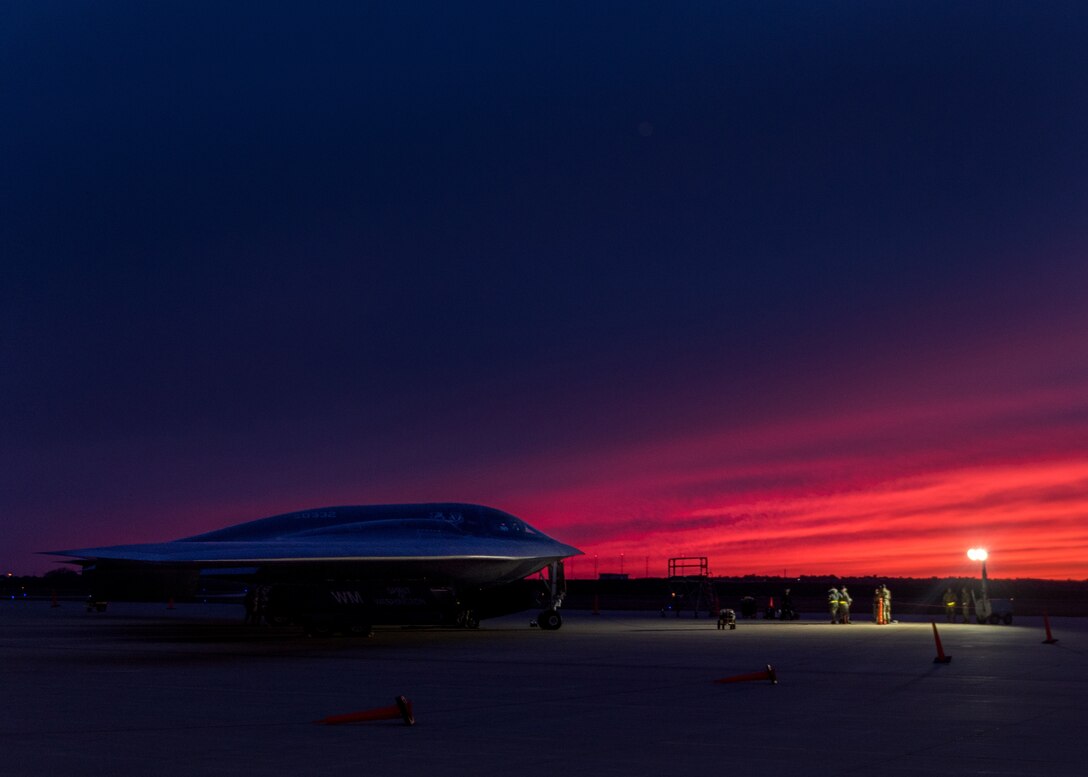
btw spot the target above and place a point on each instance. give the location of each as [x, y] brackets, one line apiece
[1050, 639]
[941, 657]
[767, 674]
[401, 709]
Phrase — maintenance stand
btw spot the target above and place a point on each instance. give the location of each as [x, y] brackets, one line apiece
[690, 587]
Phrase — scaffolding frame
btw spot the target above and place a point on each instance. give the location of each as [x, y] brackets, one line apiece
[681, 566]
[690, 586]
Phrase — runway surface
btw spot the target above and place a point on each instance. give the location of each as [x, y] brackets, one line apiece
[143, 690]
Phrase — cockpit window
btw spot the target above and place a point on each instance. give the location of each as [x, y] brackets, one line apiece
[505, 524]
[485, 523]
[452, 517]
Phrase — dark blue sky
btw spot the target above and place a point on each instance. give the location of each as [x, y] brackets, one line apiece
[261, 257]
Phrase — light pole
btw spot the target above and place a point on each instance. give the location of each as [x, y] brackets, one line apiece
[980, 554]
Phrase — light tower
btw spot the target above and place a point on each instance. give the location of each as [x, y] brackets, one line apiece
[980, 554]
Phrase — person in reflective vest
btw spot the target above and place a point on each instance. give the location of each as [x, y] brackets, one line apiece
[845, 600]
[833, 600]
[882, 605]
[949, 605]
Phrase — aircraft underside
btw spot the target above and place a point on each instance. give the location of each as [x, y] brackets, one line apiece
[343, 604]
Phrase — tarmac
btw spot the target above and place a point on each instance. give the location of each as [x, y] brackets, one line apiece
[141, 690]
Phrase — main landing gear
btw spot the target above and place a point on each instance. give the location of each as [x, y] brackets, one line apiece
[467, 619]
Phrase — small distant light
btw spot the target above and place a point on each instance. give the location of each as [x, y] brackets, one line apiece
[977, 554]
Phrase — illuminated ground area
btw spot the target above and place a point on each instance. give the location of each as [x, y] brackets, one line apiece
[142, 690]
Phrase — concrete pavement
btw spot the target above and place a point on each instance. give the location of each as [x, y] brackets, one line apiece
[144, 690]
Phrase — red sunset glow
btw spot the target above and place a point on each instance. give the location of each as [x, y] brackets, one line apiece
[1027, 516]
[901, 491]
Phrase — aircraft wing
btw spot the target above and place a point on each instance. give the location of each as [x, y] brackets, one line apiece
[183, 552]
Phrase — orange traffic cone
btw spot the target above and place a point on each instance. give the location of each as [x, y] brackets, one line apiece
[1050, 639]
[767, 674]
[402, 709]
[941, 657]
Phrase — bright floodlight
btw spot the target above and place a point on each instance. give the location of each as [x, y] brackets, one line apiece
[977, 554]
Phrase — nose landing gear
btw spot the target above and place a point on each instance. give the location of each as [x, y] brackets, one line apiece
[549, 618]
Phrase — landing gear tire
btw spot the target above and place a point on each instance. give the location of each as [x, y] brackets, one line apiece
[358, 630]
[549, 620]
[317, 628]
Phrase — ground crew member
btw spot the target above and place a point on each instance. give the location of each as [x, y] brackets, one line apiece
[788, 613]
[965, 604]
[949, 605]
[878, 606]
[833, 599]
[845, 600]
[886, 596]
